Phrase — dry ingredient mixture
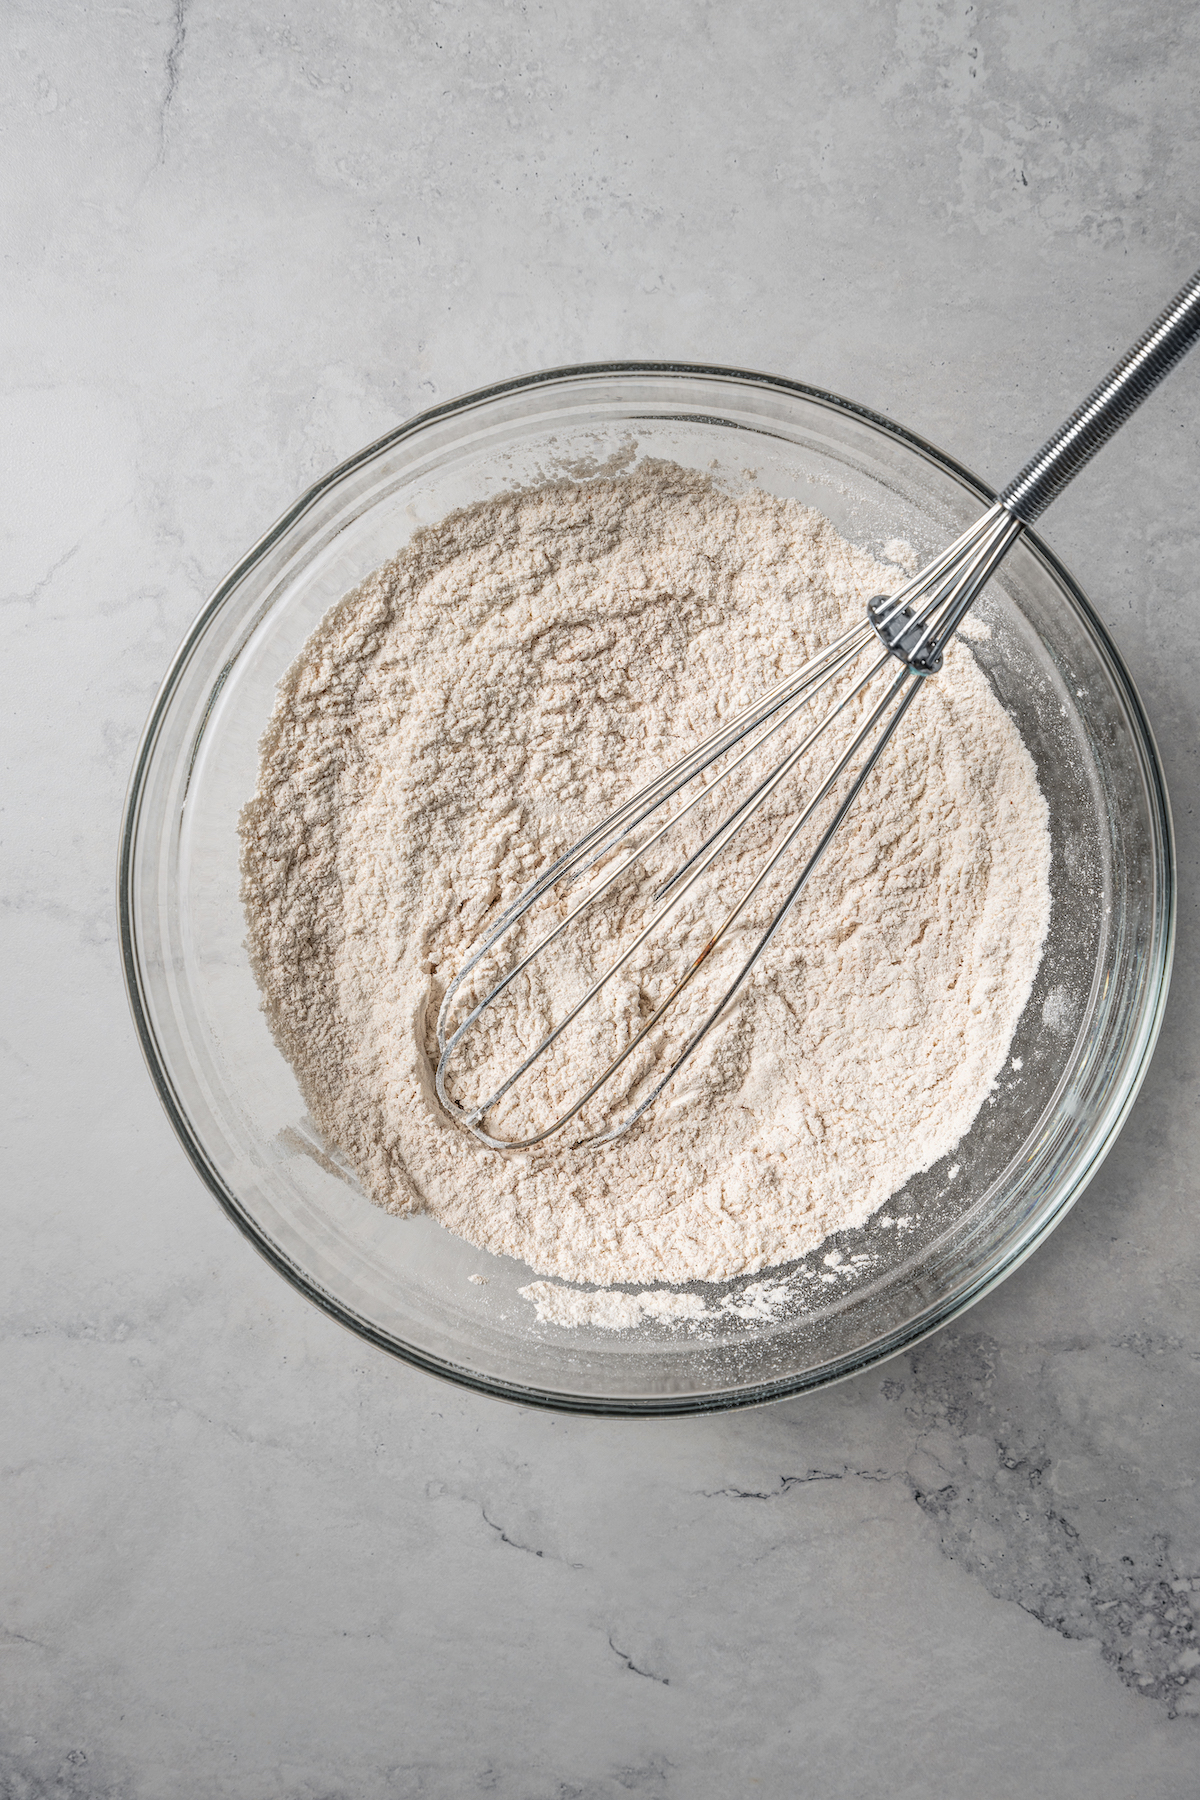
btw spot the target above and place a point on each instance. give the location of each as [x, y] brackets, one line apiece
[517, 669]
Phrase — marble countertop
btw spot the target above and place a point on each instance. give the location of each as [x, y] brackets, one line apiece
[247, 1556]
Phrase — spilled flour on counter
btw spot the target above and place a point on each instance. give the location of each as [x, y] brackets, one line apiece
[522, 666]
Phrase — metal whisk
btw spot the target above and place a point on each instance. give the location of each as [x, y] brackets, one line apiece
[912, 628]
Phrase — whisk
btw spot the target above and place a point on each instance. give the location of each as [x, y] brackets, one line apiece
[903, 639]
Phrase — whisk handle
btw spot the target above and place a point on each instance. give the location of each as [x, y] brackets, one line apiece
[1107, 407]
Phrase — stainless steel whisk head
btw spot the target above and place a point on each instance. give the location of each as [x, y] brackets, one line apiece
[868, 678]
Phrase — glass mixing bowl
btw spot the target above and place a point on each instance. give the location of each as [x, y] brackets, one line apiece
[1080, 1050]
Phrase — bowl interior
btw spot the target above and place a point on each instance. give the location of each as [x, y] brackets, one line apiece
[1080, 1048]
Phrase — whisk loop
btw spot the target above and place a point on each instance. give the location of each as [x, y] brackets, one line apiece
[912, 627]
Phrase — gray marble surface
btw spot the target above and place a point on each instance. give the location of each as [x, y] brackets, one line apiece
[246, 1556]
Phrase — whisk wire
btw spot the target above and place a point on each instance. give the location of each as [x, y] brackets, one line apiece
[735, 818]
[794, 692]
[918, 621]
[912, 681]
[714, 846]
[728, 829]
[654, 794]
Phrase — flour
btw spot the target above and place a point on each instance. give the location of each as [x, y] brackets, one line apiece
[515, 672]
[758, 1303]
[609, 1309]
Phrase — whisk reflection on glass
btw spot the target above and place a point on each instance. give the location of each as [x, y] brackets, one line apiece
[647, 992]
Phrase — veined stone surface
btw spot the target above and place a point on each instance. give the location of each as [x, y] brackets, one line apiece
[248, 1557]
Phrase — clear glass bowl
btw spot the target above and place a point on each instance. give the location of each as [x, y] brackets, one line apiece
[1082, 1044]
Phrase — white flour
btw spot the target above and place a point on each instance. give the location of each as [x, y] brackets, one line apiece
[608, 1308]
[512, 674]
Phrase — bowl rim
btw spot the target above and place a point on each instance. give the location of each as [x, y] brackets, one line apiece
[933, 1318]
